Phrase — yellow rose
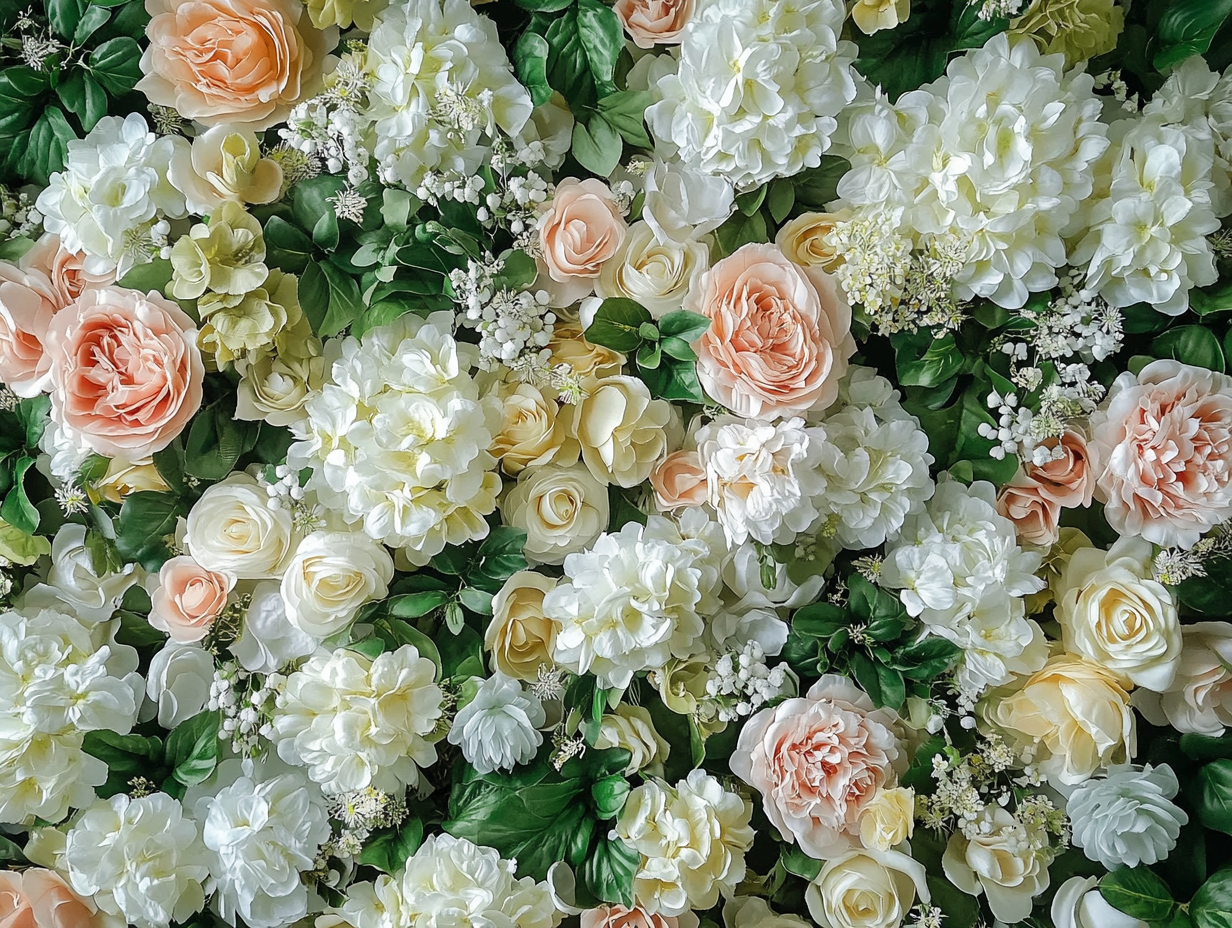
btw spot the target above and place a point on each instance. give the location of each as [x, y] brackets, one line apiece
[123, 478]
[888, 819]
[622, 431]
[631, 729]
[226, 256]
[532, 431]
[803, 240]
[874, 15]
[866, 889]
[224, 163]
[561, 509]
[519, 639]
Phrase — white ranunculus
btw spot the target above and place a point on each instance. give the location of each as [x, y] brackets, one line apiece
[656, 274]
[499, 728]
[866, 889]
[73, 582]
[1078, 904]
[561, 509]
[233, 528]
[682, 203]
[1199, 701]
[1127, 817]
[269, 641]
[178, 682]
[1002, 862]
[330, 576]
[141, 860]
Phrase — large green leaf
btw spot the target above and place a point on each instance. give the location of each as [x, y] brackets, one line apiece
[116, 64]
[1214, 793]
[193, 747]
[1211, 906]
[1138, 892]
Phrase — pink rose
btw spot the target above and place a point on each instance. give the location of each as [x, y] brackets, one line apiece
[188, 598]
[232, 61]
[581, 229]
[65, 269]
[654, 22]
[779, 336]
[817, 762]
[1069, 480]
[617, 916]
[38, 898]
[1162, 447]
[1035, 514]
[125, 369]
[27, 304]
[679, 481]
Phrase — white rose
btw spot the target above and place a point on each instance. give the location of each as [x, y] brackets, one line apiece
[269, 640]
[179, 682]
[888, 819]
[330, 576]
[622, 430]
[1112, 612]
[1128, 817]
[1002, 862]
[533, 431]
[72, 579]
[866, 889]
[631, 729]
[656, 274]
[232, 528]
[1078, 904]
[561, 509]
[683, 203]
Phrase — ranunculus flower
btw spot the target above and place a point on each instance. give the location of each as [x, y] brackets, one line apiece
[1001, 862]
[1128, 817]
[27, 303]
[803, 240]
[1161, 445]
[38, 898]
[1036, 517]
[232, 61]
[679, 481]
[654, 22]
[580, 231]
[520, 638]
[224, 163]
[866, 889]
[561, 509]
[1068, 479]
[125, 369]
[779, 336]
[818, 761]
[188, 598]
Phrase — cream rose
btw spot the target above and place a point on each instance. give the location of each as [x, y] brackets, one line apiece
[27, 303]
[622, 430]
[232, 528]
[866, 889]
[187, 598]
[580, 231]
[874, 15]
[656, 274]
[561, 509]
[1001, 862]
[274, 386]
[124, 478]
[755, 912]
[178, 682]
[654, 22]
[889, 819]
[520, 638]
[532, 430]
[589, 362]
[779, 336]
[330, 576]
[803, 240]
[1078, 904]
[1112, 612]
[679, 482]
[224, 163]
[1200, 698]
[631, 729]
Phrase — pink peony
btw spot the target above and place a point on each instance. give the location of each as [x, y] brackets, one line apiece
[654, 22]
[1162, 452]
[779, 336]
[188, 598]
[27, 304]
[817, 761]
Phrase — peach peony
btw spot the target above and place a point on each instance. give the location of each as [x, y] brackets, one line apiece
[232, 61]
[779, 336]
[188, 598]
[27, 304]
[580, 231]
[1162, 447]
[818, 761]
[1034, 513]
[654, 22]
[679, 481]
[38, 898]
[125, 369]
[617, 916]
[65, 269]
[1069, 480]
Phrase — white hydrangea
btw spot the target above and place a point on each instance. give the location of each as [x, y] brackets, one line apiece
[398, 438]
[763, 480]
[113, 197]
[1145, 237]
[1127, 817]
[59, 678]
[959, 568]
[448, 881]
[633, 602]
[499, 728]
[259, 837]
[996, 154]
[355, 722]
[141, 859]
[692, 839]
[757, 90]
[439, 80]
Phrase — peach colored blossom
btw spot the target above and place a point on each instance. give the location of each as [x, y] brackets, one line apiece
[232, 61]
[1069, 480]
[1035, 514]
[817, 761]
[27, 304]
[654, 22]
[1162, 452]
[65, 269]
[679, 481]
[38, 898]
[581, 229]
[779, 337]
[126, 372]
[617, 916]
[188, 598]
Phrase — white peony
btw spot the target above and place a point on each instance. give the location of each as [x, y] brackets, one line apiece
[633, 602]
[234, 528]
[499, 728]
[178, 682]
[330, 576]
[355, 722]
[757, 90]
[1002, 861]
[1078, 904]
[141, 859]
[113, 193]
[1127, 817]
[72, 582]
[268, 640]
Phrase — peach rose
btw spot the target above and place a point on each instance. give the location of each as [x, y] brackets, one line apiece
[125, 369]
[188, 598]
[27, 304]
[1034, 513]
[617, 916]
[581, 229]
[232, 61]
[1068, 480]
[654, 22]
[679, 481]
[1162, 447]
[818, 761]
[38, 898]
[65, 269]
[779, 336]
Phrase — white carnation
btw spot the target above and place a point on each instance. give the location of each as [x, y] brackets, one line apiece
[499, 728]
[1128, 817]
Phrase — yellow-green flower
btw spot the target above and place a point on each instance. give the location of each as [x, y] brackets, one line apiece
[233, 325]
[225, 257]
[1077, 29]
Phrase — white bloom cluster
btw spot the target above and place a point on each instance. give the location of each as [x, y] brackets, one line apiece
[499, 728]
[329, 127]
[398, 438]
[742, 682]
[59, 678]
[757, 90]
[1127, 817]
[17, 215]
[355, 722]
[515, 327]
[959, 568]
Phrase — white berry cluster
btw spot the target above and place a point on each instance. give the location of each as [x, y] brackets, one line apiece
[742, 682]
[515, 327]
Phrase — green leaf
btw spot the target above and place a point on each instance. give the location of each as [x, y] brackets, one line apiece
[83, 96]
[151, 275]
[530, 59]
[685, 325]
[10, 852]
[796, 862]
[1190, 344]
[147, 519]
[625, 111]
[48, 145]
[1206, 747]
[609, 870]
[674, 380]
[345, 300]
[479, 601]
[742, 230]
[217, 440]
[34, 414]
[396, 633]
[1138, 892]
[414, 605]
[544, 6]
[17, 510]
[927, 658]
[602, 38]
[1206, 301]
[781, 198]
[286, 246]
[597, 145]
[1211, 906]
[616, 324]
[1215, 795]
[126, 757]
[609, 795]
[819, 620]
[192, 748]
[924, 361]
[389, 849]
[63, 16]
[116, 64]
[1187, 27]
[91, 21]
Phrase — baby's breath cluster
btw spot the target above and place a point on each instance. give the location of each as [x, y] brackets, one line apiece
[515, 326]
[742, 682]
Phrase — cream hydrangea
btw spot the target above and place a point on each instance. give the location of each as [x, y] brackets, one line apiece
[355, 722]
[757, 90]
[398, 438]
[692, 839]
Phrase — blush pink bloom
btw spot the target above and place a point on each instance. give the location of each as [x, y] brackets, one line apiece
[126, 372]
[1162, 452]
[654, 22]
[1069, 481]
[1035, 514]
[817, 761]
[232, 61]
[580, 231]
[27, 304]
[617, 916]
[779, 337]
[188, 598]
[679, 481]
[65, 269]
[39, 898]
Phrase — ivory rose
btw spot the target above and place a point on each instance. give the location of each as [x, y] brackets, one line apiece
[188, 598]
[818, 761]
[232, 61]
[631, 729]
[888, 819]
[874, 15]
[589, 362]
[656, 274]
[654, 22]
[621, 430]
[679, 481]
[532, 430]
[866, 889]
[561, 509]
[520, 637]
[232, 527]
[803, 240]
[580, 231]
[27, 304]
[224, 163]
[779, 335]
[330, 576]
[125, 370]
[1162, 444]
[38, 898]
[1000, 862]
[1199, 700]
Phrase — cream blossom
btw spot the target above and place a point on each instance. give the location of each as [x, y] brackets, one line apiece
[1079, 904]
[630, 728]
[533, 430]
[622, 430]
[233, 529]
[1002, 861]
[520, 638]
[1127, 817]
[561, 509]
[224, 163]
[658, 275]
[1200, 697]
[330, 576]
[866, 889]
